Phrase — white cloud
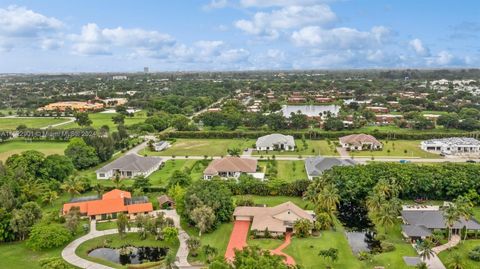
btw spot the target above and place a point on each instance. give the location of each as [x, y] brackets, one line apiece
[417, 45]
[268, 24]
[20, 26]
[95, 40]
[443, 58]
[339, 38]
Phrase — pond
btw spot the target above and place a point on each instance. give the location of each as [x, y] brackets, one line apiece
[360, 233]
[130, 255]
[310, 110]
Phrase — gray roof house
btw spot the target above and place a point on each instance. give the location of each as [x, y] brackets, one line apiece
[129, 166]
[421, 222]
[275, 142]
[315, 166]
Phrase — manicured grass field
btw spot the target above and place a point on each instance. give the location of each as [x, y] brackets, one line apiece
[288, 170]
[276, 200]
[461, 249]
[116, 242]
[12, 123]
[202, 147]
[100, 119]
[160, 177]
[314, 147]
[18, 256]
[397, 148]
[9, 148]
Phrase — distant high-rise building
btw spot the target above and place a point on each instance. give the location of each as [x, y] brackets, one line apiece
[145, 70]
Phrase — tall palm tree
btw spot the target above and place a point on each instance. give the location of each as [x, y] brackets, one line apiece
[426, 250]
[465, 210]
[374, 202]
[451, 215]
[72, 185]
[328, 199]
[387, 214]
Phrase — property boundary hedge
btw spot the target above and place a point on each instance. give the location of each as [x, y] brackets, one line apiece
[315, 134]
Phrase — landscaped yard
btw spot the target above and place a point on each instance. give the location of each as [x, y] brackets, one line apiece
[313, 147]
[202, 147]
[461, 249]
[397, 148]
[12, 123]
[115, 241]
[100, 119]
[276, 200]
[287, 170]
[18, 146]
[160, 177]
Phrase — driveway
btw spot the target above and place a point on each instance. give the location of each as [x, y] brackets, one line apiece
[238, 238]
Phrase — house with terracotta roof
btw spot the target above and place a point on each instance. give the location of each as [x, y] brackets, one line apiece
[360, 142]
[278, 219]
[110, 205]
[129, 166]
[231, 167]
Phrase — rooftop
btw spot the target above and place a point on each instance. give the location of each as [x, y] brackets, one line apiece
[131, 162]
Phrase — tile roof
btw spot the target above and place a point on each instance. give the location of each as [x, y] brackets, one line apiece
[272, 217]
[231, 164]
[114, 201]
[358, 139]
[433, 219]
[131, 162]
[315, 166]
[273, 139]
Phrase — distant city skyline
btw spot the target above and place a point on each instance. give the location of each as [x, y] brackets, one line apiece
[223, 35]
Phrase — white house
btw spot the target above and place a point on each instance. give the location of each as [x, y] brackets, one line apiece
[129, 166]
[232, 167]
[275, 142]
[452, 145]
[161, 145]
[360, 142]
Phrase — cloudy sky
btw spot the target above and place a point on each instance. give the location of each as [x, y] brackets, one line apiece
[120, 35]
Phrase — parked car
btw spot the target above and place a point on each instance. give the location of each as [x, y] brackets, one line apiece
[471, 161]
[404, 161]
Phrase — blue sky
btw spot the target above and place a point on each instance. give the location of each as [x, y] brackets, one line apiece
[120, 35]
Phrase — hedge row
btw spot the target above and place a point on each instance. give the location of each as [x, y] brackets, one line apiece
[414, 135]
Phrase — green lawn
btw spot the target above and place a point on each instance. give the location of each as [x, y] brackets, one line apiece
[12, 123]
[18, 146]
[461, 249]
[100, 119]
[313, 147]
[276, 200]
[287, 170]
[106, 225]
[397, 148]
[115, 241]
[202, 147]
[160, 177]
[18, 256]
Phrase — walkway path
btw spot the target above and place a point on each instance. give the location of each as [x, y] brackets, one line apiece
[238, 238]
[278, 251]
[450, 244]
[343, 152]
[69, 255]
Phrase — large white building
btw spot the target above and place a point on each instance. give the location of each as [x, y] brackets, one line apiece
[275, 142]
[452, 145]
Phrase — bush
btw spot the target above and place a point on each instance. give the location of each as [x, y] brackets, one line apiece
[47, 236]
[474, 254]
[54, 263]
[387, 246]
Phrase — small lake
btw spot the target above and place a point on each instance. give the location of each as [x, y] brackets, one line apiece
[130, 255]
[310, 110]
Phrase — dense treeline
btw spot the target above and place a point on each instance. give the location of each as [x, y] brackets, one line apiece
[315, 134]
[433, 181]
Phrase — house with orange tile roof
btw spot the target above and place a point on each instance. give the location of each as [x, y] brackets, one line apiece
[110, 205]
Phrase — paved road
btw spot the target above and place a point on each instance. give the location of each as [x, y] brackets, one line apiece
[69, 255]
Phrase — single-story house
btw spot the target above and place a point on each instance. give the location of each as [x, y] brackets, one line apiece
[360, 142]
[164, 201]
[110, 205]
[231, 167]
[315, 166]
[452, 145]
[275, 142]
[161, 145]
[129, 166]
[278, 219]
[421, 221]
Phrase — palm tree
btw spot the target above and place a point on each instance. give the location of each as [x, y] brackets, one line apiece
[328, 199]
[387, 215]
[422, 265]
[374, 202]
[72, 185]
[456, 262]
[426, 250]
[116, 180]
[451, 215]
[465, 207]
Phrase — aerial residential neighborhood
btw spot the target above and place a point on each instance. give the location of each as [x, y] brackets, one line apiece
[239, 134]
